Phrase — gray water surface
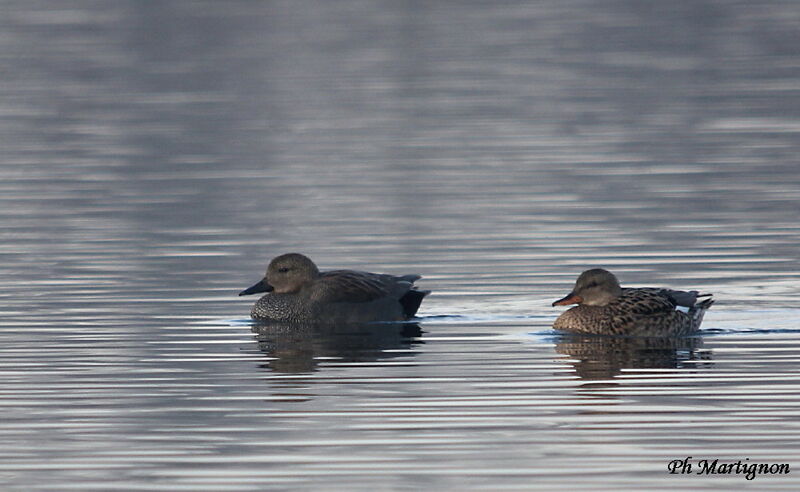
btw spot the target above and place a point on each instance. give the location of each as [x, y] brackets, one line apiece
[155, 155]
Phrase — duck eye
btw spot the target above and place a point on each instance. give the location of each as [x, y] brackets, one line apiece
[283, 269]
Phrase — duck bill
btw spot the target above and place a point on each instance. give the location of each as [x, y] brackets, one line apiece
[571, 298]
[262, 286]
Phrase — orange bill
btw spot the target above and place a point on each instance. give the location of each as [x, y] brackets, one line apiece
[570, 299]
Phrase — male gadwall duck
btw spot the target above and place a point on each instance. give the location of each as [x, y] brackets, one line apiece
[299, 292]
[605, 308]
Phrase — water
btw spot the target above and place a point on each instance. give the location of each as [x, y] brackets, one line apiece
[155, 156]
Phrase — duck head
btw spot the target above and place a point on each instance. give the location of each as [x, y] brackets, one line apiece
[286, 274]
[595, 287]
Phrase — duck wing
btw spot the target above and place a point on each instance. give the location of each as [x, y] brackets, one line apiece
[355, 286]
[676, 297]
[646, 301]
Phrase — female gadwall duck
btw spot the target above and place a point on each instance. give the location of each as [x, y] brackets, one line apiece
[299, 292]
[605, 308]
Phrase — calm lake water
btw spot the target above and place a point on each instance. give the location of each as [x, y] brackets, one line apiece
[155, 155]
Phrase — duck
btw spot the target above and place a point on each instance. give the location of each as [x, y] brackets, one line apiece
[605, 308]
[297, 292]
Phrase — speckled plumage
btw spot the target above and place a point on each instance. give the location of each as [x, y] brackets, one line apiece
[302, 293]
[604, 308]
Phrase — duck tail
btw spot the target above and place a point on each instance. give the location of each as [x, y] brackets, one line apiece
[411, 301]
[699, 310]
[705, 303]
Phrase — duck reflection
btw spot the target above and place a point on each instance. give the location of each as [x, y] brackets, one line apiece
[299, 348]
[603, 357]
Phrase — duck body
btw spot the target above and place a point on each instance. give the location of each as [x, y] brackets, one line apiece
[604, 308]
[299, 293]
